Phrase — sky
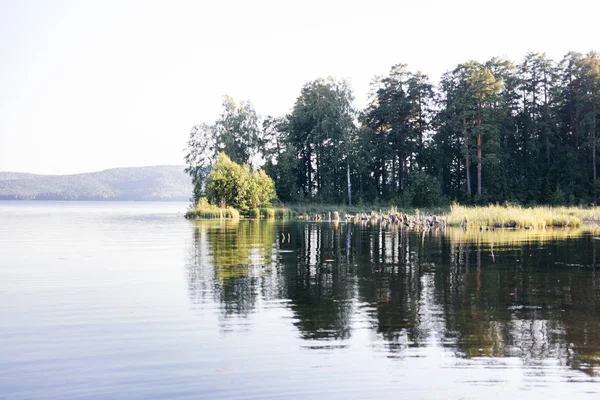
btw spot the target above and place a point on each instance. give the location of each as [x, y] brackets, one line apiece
[90, 85]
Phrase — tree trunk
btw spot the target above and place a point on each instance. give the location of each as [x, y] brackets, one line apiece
[403, 174]
[479, 158]
[420, 127]
[383, 178]
[546, 124]
[349, 184]
[467, 162]
[402, 162]
[479, 163]
[393, 176]
[308, 172]
[361, 186]
[318, 175]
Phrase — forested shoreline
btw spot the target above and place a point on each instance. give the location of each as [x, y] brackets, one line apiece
[153, 183]
[487, 132]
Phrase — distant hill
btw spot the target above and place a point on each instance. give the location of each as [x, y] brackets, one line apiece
[158, 183]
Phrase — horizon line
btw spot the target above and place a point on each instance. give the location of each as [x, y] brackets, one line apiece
[93, 172]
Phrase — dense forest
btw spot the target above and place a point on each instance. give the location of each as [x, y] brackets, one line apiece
[487, 132]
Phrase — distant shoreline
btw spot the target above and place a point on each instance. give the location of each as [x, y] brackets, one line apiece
[158, 183]
[41, 200]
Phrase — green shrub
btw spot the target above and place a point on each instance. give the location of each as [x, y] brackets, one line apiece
[425, 190]
[281, 212]
[558, 197]
[231, 184]
[254, 213]
[268, 213]
[230, 212]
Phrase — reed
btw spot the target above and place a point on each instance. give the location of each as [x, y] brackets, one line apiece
[267, 213]
[253, 213]
[521, 217]
[282, 212]
[213, 213]
[204, 210]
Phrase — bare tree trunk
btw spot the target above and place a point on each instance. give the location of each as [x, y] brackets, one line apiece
[361, 186]
[479, 163]
[479, 158]
[403, 162]
[467, 162]
[308, 171]
[546, 125]
[349, 184]
[318, 174]
[393, 176]
[420, 126]
[383, 178]
[403, 174]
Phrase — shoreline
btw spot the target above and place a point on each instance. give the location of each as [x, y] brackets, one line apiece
[477, 217]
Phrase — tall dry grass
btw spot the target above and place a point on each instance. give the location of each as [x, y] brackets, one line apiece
[204, 210]
[522, 217]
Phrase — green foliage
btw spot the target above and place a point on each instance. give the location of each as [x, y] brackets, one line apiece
[236, 133]
[227, 182]
[398, 115]
[426, 191]
[268, 213]
[200, 154]
[558, 197]
[321, 135]
[262, 190]
[281, 212]
[405, 199]
[231, 184]
[489, 132]
[572, 200]
[253, 213]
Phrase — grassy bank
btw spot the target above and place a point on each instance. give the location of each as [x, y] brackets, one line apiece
[457, 215]
[204, 210]
[522, 217]
[212, 212]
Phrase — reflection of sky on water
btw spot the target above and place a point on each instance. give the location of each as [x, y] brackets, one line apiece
[111, 303]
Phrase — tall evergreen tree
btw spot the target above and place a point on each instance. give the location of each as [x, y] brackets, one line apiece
[321, 128]
[489, 132]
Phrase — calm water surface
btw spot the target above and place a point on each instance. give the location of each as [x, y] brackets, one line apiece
[131, 301]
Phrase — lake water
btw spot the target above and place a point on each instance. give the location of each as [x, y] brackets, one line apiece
[132, 301]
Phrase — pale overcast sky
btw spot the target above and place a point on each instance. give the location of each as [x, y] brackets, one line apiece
[91, 85]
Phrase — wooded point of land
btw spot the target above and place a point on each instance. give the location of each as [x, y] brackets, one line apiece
[487, 132]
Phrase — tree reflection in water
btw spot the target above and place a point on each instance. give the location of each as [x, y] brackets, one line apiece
[531, 295]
